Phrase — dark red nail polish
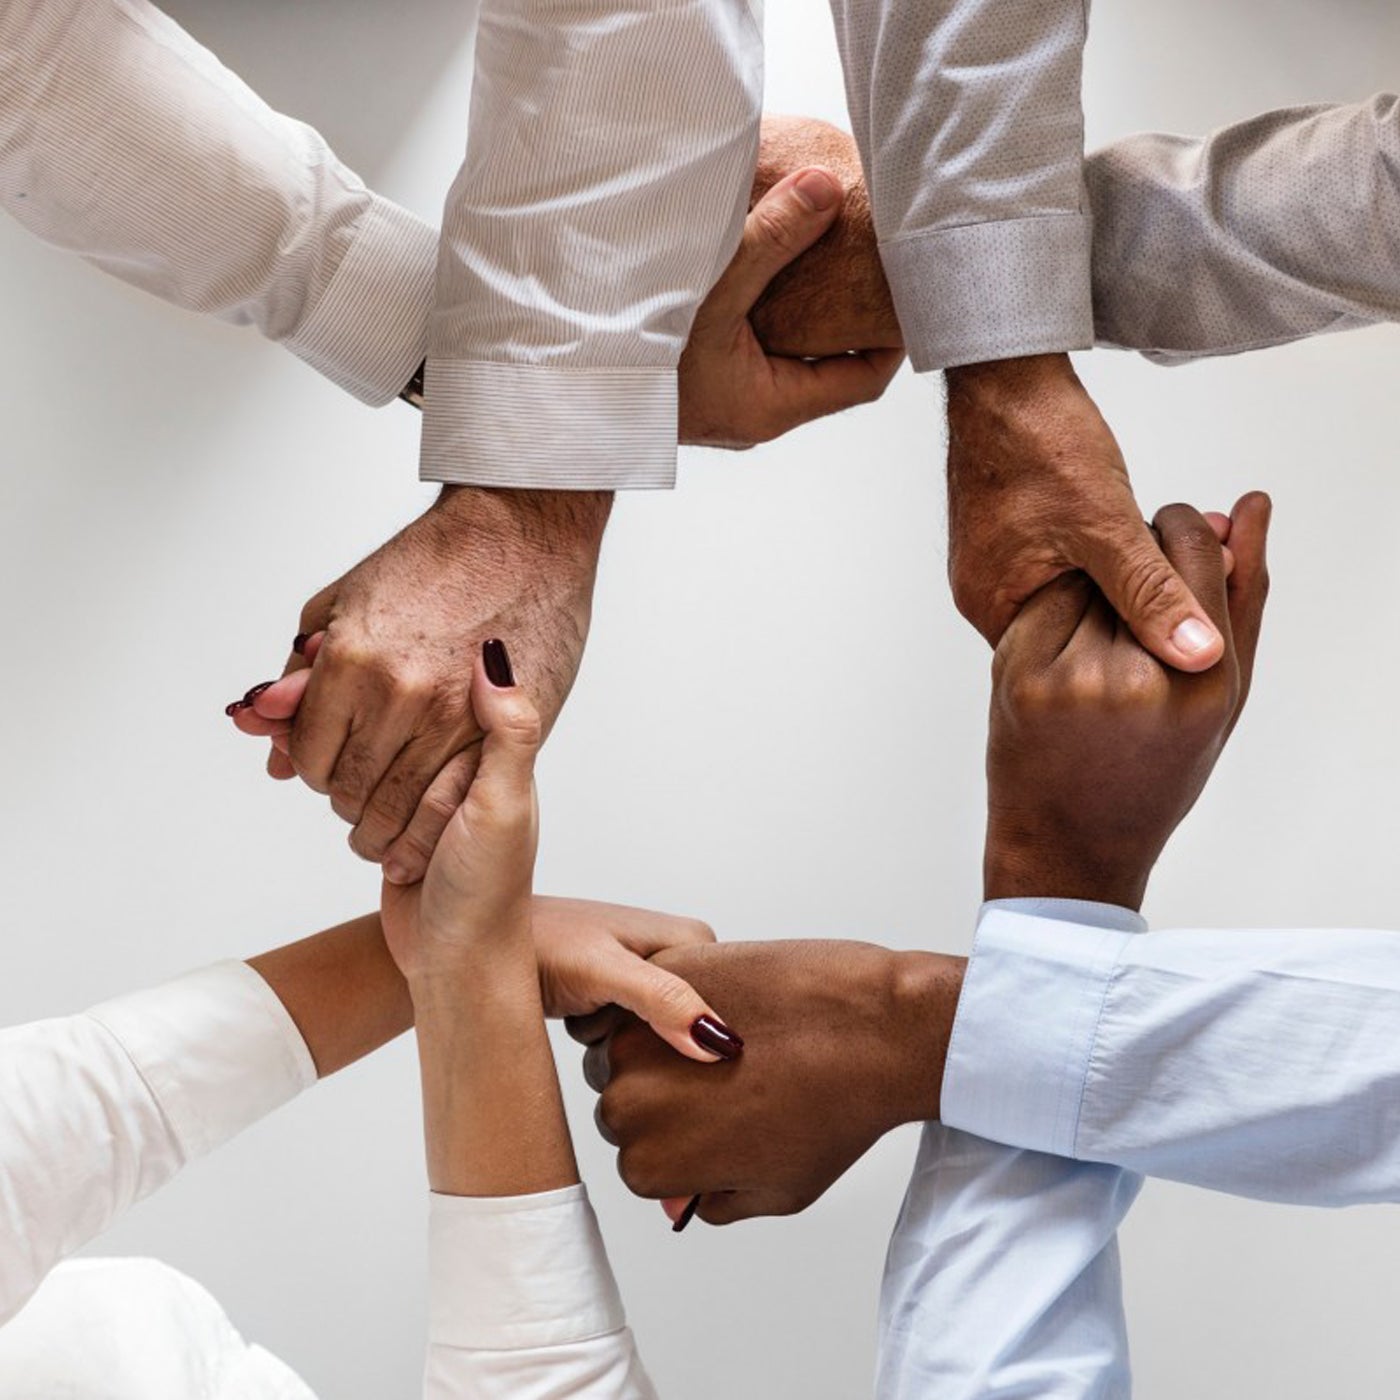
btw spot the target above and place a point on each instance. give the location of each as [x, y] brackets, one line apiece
[497, 659]
[256, 691]
[299, 643]
[686, 1216]
[237, 705]
[717, 1038]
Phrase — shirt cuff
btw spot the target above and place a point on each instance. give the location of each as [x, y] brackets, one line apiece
[993, 291]
[1027, 1019]
[369, 331]
[509, 1272]
[216, 1048]
[549, 426]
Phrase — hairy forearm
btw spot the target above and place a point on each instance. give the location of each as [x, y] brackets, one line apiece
[493, 1115]
[342, 989]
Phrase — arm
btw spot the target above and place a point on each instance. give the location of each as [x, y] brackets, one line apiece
[1285, 223]
[523, 1302]
[125, 141]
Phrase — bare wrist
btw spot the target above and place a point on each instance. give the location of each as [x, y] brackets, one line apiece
[927, 986]
[1023, 867]
[995, 380]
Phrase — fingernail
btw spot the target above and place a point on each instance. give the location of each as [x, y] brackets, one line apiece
[236, 706]
[299, 643]
[686, 1216]
[497, 660]
[395, 873]
[817, 190]
[256, 691]
[1193, 636]
[717, 1038]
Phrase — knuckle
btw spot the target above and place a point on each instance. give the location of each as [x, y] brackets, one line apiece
[698, 931]
[638, 1171]
[1149, 584]
[772, 228]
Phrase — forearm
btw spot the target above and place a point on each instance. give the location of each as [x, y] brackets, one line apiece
[1259, 1062]
[968, 118]
[581, 235]
[343, 991]
[125, 141]
[1268, 231]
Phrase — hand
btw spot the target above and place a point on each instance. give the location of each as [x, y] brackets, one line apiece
[1036, 488]
[732, 394]
[1097, 751]
[383, 722]
[834, 297]
[843, 1041]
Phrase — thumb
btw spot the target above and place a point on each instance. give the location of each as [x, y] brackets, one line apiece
[511, 724]
[672, 1008]
[1154, 601]
[779, 229]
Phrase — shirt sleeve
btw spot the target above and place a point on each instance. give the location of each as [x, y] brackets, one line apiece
[610, 154]
[969, 119]
[99, 1110]
[523, 1303]
[1259, 1062]
[1003, 1276]
[1278, 228]
[126, 142]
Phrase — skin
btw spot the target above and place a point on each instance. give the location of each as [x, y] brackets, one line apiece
[380, 722]
[1037, 485]
[1097, 751]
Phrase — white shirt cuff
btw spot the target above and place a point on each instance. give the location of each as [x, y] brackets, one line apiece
[993, 291]
[369, 331]
[216, 1048]
[511, 1272]
[1027, 1017]
[549, 427]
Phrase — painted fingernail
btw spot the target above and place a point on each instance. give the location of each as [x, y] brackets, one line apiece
[299, 643]
[1192, 637]
[817, 190]
[256, 691]
[686, 1216]
[237, 705]
[714, 1036]
[497, 660]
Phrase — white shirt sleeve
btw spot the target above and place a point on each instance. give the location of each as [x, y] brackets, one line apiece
[126, 142]
[523, 1304]
[969, 118]
[99, 1110]
[609, 160]
[1003, 1278]
[1261, 1062]
[1277, 228]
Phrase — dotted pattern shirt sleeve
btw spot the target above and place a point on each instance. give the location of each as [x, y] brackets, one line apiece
[126, 142]
[611, 148]
[970, 125]
[1278, 228]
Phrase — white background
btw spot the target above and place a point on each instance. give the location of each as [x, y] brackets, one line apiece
[778, 725]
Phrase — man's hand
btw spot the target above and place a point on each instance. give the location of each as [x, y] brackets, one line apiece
[1036, 488]
[732, 393]
[834, 297]
[842, 1043]
[1097, 751]
[384, 723]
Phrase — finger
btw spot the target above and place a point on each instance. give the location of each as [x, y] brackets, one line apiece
[671, 1007]
[604, 1132]
[1220, 524]
[511, 726]
[1248, 588]
[374, 742]
[597, 1025]
[323, 720]
[1153, 599]
[597, 1067]
[730, 1207]
[1191, 549]
[1046, 622]
[812, 389]
[779, 229]
[279, 766]
[406, 850]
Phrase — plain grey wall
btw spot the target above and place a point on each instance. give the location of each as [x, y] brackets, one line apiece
[173, 490]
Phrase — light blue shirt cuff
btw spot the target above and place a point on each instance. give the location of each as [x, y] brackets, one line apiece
[1027, 1018]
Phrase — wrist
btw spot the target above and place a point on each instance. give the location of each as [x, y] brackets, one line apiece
[995, 381]
[555, 523]
[1022, 866]
[926, 989]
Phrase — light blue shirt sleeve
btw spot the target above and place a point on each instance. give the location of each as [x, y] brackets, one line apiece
[1003, 1280]
[1260, 1062]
